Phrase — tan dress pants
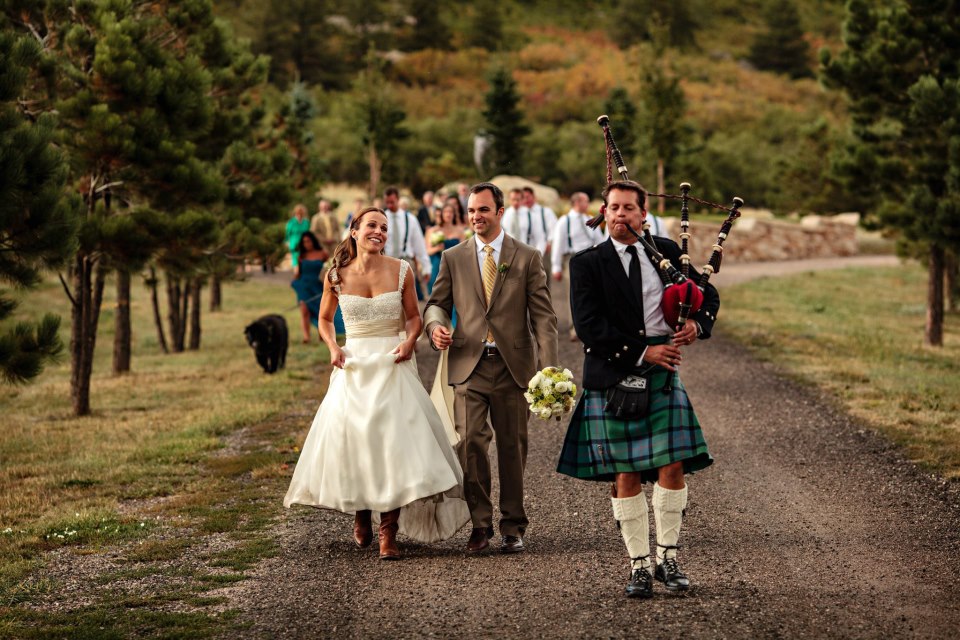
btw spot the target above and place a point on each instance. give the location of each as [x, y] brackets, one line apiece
[491, 390]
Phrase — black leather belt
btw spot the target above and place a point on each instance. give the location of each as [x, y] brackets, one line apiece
[489, 352]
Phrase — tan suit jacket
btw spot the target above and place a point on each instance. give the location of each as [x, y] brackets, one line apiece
[520, 315]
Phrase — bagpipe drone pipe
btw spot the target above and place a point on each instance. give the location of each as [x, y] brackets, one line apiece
[682, 296]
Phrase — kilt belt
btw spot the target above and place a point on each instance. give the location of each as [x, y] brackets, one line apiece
[598, 446]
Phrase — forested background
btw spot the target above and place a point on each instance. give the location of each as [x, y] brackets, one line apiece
[749, 115]
[162, 143]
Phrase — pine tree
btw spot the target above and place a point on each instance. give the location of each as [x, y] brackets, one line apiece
[623, 120]
[485, 27]
[302, 43]
[635, 21]
[901, 71]
[429, 29]
[781, 48]
[38, 224]
[504, 124]
[662, 116]
[378, 116]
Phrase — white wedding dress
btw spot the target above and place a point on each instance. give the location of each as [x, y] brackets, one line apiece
[377, 441]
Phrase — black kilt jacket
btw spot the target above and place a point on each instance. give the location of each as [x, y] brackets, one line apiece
[608, 316]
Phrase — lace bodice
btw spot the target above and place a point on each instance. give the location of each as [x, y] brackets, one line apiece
[379, 315]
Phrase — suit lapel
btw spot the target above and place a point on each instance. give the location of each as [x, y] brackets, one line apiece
[474, 270]
[507, 252]
[611, 261]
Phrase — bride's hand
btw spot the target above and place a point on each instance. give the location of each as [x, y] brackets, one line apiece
[337, 358]
[404, 351]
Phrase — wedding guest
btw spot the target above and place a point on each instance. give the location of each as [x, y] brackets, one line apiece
[326, 226]
[571, 235]
[307, 281]
[448, 232]
[296, 227]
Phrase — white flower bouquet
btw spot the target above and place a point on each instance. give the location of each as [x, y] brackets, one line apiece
[437, 237]
[468, 234]
[551, 393]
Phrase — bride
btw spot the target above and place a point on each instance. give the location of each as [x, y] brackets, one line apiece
[377, 444]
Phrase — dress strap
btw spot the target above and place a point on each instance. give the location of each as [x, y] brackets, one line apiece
[404, 265]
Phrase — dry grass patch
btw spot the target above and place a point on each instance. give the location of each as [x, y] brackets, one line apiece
[166, 459]
[857, 335]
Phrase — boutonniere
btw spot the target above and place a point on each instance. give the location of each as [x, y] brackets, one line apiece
[503, 268]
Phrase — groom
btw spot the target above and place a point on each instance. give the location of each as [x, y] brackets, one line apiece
[499, 288]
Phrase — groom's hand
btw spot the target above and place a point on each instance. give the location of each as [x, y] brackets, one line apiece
[441, 337]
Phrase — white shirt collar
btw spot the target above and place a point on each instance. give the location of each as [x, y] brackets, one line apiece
[622, 248]
[497, 243]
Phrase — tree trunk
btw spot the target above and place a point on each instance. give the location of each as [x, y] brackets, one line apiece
[155, 302]
[933, 333]
[215, 302]
[85, 314]
[173, 313]
[951, 285]
[122, 336]
[661, 203]
[374, 172]
[195, 314]
[184, 314]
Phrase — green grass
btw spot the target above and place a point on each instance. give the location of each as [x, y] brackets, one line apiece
[857, 334]
[145, 474]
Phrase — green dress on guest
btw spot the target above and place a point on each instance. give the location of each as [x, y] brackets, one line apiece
[295, 230]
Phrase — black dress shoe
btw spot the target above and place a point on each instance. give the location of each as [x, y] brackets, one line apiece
[479, 539]
[668, 572]
[512, 544]
[640, 585]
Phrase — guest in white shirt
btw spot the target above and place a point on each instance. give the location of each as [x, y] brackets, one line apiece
[405, 238]
[519, 224]
[571, 235]
[543, 219]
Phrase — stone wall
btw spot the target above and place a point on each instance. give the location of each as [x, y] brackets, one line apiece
[756, 239]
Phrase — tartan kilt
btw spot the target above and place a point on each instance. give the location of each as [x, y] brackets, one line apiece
[597, 445]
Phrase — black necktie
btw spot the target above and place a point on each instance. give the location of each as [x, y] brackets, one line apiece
[636, 281]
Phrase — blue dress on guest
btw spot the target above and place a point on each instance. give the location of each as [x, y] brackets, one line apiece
[435, 269]
[309, 289]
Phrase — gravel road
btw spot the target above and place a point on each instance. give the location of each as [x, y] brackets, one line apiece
[807, 526]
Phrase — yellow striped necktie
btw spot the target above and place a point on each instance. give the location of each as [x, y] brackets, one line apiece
[489, 279]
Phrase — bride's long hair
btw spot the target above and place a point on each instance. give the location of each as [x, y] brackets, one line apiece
[346, 251]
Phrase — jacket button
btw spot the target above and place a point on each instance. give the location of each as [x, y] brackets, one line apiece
[616, 355]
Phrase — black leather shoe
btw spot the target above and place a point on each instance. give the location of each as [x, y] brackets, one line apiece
[511, 544]
[668, 572]
[479, 539]
[640, 585]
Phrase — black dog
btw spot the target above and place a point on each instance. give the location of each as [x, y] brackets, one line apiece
[268, 337]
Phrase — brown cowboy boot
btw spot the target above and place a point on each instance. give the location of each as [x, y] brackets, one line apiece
[388, 535]
[362, 529]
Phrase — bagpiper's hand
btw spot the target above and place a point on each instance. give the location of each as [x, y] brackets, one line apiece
[666, 355]
[686, 335]
[441, 337]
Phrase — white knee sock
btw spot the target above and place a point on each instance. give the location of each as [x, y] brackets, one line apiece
[631, 513]
[668, 506]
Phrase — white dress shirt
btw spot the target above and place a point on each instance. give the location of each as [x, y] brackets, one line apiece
[653, 321]
[544, 220]
[522, 226]
[571, 235]
[405, 239]
[497, 245]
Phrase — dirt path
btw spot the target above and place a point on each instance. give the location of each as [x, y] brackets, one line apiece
[807, 525]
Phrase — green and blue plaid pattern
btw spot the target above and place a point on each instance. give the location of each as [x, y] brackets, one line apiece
[598, 445]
